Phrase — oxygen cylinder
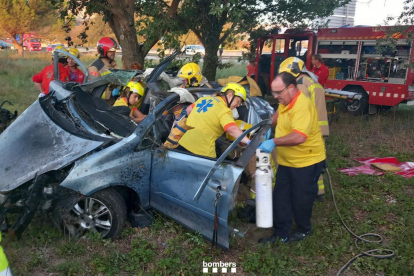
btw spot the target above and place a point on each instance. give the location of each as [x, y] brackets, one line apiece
[263, 179]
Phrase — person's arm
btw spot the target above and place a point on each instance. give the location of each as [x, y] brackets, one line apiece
[92, 73]
[235, 131]
[290, 140]
[189, 109]
[37, 79]
[138, 116]
[39, 87]
[274, 118]
[323, 77]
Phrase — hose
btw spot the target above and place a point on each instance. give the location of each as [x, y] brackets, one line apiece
[378, 239]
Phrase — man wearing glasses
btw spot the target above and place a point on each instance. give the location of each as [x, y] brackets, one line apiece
[301, 158]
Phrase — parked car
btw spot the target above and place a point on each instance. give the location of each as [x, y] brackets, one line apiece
[72, 154]
[193, 49]
[50, 47]
[6, 45]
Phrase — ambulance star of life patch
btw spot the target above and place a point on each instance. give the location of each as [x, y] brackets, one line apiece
[204, 105]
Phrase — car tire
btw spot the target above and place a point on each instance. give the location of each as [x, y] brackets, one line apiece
[358, 107]
[107, 215]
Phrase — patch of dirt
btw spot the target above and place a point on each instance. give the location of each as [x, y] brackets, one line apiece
[391, 217]
[409, 191]
[360, 215]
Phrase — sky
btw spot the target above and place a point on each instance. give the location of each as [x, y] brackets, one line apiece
[374, 12]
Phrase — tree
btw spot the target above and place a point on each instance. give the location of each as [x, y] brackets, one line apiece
[151, 19]
[207, 18]
[18, 17]
[407, 16]
[387, 45]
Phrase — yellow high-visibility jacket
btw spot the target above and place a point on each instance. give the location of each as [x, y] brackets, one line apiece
[316, 93]
[4, 264]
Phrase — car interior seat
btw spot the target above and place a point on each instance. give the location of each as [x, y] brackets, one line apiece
[100, 115]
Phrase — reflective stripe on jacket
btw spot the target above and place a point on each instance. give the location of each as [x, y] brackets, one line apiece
[316, 93]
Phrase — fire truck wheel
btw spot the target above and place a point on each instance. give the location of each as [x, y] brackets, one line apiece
[356, 107]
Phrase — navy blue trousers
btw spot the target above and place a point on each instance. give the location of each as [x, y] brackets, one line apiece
[293, 197]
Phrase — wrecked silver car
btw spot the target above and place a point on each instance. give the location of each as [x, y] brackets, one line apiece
[70, 153]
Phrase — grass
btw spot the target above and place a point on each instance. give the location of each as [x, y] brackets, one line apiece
[382, 205]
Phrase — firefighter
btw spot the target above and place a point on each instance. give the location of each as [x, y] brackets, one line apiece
[192, 77]
[132, 93]
[106, 48]
[316, 93]
[301, 157]
[43, 78]
[320, 69]
[74, 72]
[209, 117]
[4, 264]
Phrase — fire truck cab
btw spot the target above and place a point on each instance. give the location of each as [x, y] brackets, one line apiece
[31, 42]
[380, 80]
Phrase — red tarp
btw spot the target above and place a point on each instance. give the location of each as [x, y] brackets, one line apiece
[407, 168]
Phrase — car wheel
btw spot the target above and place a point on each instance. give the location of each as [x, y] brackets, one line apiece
[104, 213]
[356, 107]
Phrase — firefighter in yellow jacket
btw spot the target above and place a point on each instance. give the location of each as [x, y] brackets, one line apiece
[209, 117]
[313, 90]
[132, 93]
[4, 264]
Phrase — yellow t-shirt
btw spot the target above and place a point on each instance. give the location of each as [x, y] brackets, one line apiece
[300, 116]
[210, 118]
[122, 101]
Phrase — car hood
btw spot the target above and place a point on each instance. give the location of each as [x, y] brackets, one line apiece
[39, 141]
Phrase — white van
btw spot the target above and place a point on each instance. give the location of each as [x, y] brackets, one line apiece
[193, 49]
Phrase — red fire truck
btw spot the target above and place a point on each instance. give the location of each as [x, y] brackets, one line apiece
[380, 80]
[31, 42]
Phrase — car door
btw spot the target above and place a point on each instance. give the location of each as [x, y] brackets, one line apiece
[184, 186]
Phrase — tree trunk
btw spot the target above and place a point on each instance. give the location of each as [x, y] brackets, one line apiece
[17, 45]
[121, 21]
[19, 48]
[211, 60]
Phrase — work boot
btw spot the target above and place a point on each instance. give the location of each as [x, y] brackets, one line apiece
[273, 239]
[298, 236]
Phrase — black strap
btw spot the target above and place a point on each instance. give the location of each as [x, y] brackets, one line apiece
[215, 231]
[99, 64]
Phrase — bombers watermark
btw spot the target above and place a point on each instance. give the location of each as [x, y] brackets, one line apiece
[219, 267]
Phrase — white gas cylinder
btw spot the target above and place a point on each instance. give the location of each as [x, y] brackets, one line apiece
[263, 179]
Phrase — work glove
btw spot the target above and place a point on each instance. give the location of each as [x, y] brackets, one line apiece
[267, 146]
[115, 92]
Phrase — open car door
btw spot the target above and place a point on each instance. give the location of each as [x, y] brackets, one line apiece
[184, 186]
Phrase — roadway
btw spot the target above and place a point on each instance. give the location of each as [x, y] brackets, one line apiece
[228, 55]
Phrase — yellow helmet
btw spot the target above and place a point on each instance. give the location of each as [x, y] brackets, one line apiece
[237, 88]
[192, 73]
[135, 87]
[74, 52]
[295, 66]
[292, 65]
[60, 55]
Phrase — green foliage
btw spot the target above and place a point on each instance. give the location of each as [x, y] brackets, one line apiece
[20, 16]
[71, 248]
[142, 253]
[196, 238]
[69, 268]
[215, 22]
